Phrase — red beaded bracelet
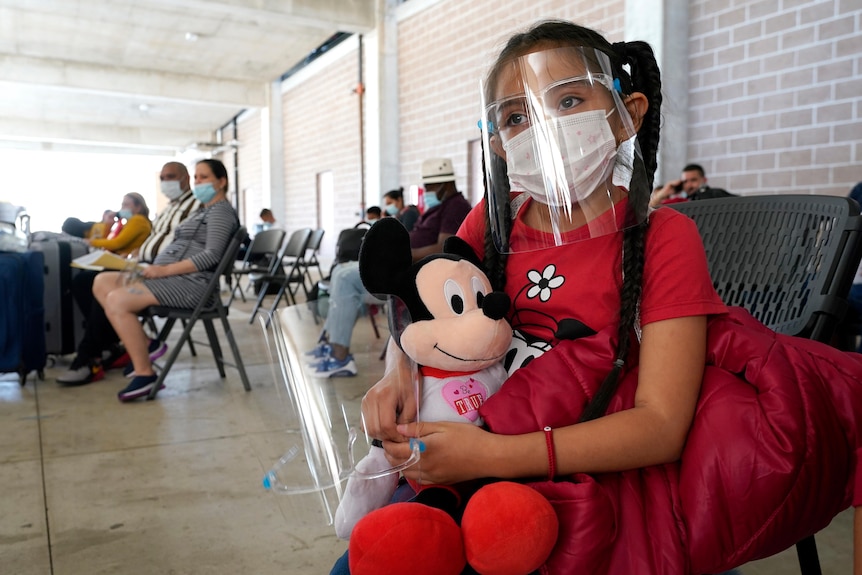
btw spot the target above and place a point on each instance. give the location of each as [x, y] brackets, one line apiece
[552, 459]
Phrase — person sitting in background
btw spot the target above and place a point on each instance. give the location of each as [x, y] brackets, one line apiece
[691, 186]
[177, 278]
[373, 214]
[99, 348]
[445, 209]
[267, 221]
[136, 227]
[393, 203]
[86, 230]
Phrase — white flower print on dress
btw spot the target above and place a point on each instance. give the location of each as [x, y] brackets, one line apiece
[544, 282]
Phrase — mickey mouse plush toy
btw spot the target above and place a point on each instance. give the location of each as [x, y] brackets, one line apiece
[458, 336]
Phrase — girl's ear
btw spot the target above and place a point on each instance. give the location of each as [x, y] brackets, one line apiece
[497, 146]
[637, 105]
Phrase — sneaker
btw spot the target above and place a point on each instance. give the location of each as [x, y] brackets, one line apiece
[129, 370]
[157, 349]
[116, 358]
[322, 350]
[331, 367]
[81, 375]
[138, 387]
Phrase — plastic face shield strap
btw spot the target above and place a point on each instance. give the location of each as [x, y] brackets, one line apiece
[559, 143]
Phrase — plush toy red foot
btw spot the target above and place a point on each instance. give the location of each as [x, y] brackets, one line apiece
[507, 529]
[406, 538]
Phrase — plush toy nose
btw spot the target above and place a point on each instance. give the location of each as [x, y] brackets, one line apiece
[496, 305]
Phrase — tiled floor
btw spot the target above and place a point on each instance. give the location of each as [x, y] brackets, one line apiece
[91, 486]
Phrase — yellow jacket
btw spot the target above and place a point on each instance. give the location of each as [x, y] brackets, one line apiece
[129, 239]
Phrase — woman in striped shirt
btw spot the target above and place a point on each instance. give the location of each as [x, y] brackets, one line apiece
[178, 277]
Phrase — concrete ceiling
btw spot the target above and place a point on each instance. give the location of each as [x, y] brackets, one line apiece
[150, 76]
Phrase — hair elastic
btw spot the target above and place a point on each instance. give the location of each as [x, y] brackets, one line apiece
[552, 458]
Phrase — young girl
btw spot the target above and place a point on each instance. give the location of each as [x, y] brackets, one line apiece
[667, 447]
[581, 256]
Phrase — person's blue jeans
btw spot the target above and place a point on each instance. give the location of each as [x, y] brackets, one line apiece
[346, 297]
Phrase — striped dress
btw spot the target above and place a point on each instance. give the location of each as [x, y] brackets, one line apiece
[165, 223]
[203, 238]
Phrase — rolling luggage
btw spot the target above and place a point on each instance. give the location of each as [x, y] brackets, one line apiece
[64, 322]
[22, 337]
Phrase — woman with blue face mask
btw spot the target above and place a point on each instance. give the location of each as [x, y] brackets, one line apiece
[135, 228]
[393, 203]
[178, 277]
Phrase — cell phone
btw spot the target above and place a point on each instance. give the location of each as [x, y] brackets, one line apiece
[678, 188]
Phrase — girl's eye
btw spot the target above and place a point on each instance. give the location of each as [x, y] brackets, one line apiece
[569, 102]
[516, 119]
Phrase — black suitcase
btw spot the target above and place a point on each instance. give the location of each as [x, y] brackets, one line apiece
[64, 322]
[22, 338]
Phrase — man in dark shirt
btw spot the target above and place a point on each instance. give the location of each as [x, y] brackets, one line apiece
[445, 209]
[691, 186]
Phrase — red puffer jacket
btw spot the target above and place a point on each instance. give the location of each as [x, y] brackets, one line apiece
[770, 457]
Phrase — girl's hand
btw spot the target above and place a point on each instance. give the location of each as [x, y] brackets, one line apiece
[389, 402]
[453, 452]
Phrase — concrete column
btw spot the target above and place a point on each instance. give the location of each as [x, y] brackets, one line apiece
[273, 158]
[383, 169]
[664, 24]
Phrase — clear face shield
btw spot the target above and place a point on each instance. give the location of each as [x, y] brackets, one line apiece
[320, 454]
[560, 150]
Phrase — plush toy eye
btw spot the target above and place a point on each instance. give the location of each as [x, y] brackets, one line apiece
[455, 296]
[479, 289]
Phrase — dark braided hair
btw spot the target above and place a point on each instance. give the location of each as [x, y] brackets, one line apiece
[634, 65]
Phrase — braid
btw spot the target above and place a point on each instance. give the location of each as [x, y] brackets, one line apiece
[633, 265]
[646, 78]
[495, 259]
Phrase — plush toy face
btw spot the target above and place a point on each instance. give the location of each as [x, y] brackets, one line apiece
[459, 336]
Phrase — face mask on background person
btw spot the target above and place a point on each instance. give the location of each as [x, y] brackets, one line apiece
[587, 147]
[391, 209]
[124, 214]
[171, 189]
[204, 192]
[431, 200]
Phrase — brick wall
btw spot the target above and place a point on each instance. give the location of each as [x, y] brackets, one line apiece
[774, 98]
[774, 90]
[251, 193]
[321, 133]
[446, 49]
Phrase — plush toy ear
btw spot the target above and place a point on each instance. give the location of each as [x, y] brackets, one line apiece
[456, 246]
[385, 256]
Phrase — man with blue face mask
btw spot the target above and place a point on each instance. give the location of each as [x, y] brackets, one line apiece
[445, 209]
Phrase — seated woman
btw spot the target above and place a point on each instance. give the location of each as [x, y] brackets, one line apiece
[178, 277]
[99, 337]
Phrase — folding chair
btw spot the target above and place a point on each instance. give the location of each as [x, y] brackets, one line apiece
[311, 260]
[789, 260]
[258, 259]
[291, 258]
[208, 309]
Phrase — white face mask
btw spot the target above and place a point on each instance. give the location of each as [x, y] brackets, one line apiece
[571, 161]
[171, 189]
